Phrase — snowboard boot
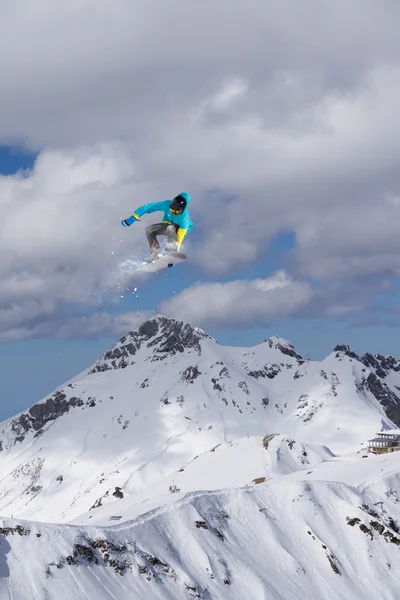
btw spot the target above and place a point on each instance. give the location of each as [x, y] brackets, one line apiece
[155, 251]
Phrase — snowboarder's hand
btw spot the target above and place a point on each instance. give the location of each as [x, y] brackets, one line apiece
[129, 221]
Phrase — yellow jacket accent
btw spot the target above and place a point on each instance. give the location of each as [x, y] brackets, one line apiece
[180, 234]
[136, 216]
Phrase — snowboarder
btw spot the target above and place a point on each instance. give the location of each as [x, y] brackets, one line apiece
[175, 223]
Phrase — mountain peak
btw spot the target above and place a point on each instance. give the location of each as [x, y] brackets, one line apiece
[160, 335]
[345, 349]
[283, 345]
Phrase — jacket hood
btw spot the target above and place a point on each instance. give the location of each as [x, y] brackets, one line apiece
[186, 196]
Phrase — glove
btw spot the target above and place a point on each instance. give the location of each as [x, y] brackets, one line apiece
[129, 221]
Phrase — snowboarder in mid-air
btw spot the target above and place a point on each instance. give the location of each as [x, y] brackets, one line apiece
[175, 224]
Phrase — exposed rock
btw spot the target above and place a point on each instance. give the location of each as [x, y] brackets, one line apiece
[43, 412]
[347, 351]
[190, 374]
[224, 372]
[176, 336]
[149, 329]
[284, 346]
[269, 371]
[216, 386]
[381, 364]
[99, 501]
[267, 439]
[94, 551]
[26, 476]
[164, 336]
[118, 493]
[34, 489]
[152, 567]
[244, 387]
[194, 592]
[365, 530]
[6, 531]
[333, 562]
[385, 396]
[86, 553]
[378, 527]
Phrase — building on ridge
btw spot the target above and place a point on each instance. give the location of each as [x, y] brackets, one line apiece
[385, 441]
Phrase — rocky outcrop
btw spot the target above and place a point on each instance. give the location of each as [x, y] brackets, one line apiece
[284, 346]
[345, 349]
[382, 365]
[191, 374]
[385, 396]
[40, 414]
[165, 337]
[269, 371]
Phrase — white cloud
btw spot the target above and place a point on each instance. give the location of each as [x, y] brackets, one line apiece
[102, 324]
[299, 130]
[60, 236]
[239, 303]
[94, 70]
[99, 324]
[227, 96]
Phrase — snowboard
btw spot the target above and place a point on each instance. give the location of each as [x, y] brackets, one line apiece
[167, 260]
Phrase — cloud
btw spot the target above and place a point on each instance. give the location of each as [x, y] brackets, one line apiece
[327, 183]
[102, 325]
[239, 303]
[274, 123]
[96, 325]
[60, 253]
[94, 70]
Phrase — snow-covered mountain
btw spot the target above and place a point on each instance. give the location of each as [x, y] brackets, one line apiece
[234, 472]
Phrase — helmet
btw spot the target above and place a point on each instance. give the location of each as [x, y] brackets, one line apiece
[178, 205]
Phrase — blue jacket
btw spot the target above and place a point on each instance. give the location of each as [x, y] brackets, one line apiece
[183, 220]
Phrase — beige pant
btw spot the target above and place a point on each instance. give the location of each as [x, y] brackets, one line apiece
[167, 229]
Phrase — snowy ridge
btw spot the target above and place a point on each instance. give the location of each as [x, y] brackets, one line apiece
[275, 442]
[335, 541]
[255, 460]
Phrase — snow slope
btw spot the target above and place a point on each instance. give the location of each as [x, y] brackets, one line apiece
[285, 539]
[159, 398]
[231, 465]
[259, 434]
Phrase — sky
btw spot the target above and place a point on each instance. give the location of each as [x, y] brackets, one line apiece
[281, 120]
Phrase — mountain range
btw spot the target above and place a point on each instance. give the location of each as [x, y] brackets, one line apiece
[175, 467]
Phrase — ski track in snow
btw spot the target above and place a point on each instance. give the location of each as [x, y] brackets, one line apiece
[153, 458]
